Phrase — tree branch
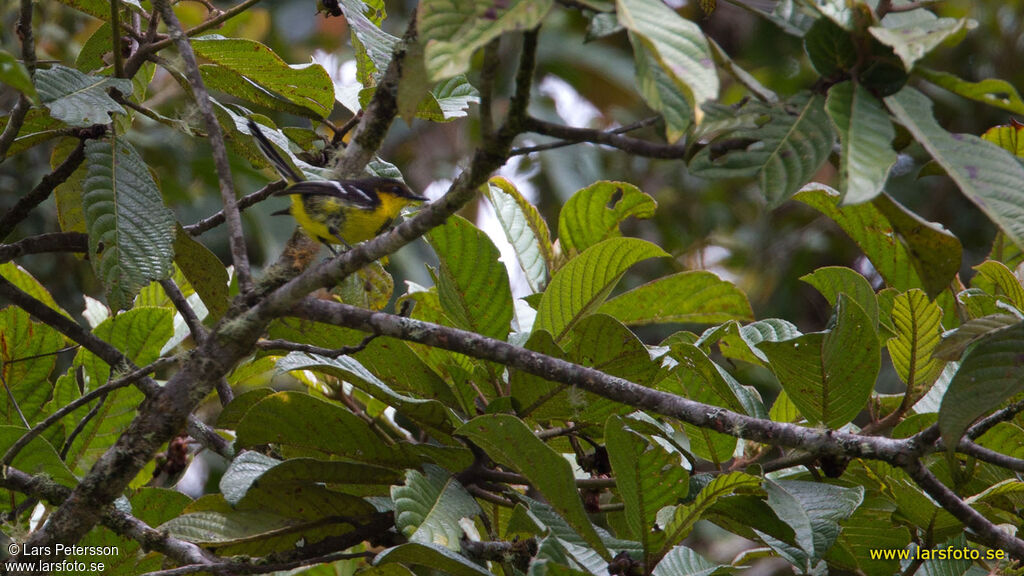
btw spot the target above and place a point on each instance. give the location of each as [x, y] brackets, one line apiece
[24, 206]
[220, 154]
[45, 243]
[43, 488]
[987, 532]
[244, 202]
[625, 143]
[28, 56]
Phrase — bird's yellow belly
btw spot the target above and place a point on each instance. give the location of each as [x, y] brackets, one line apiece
[327, 219]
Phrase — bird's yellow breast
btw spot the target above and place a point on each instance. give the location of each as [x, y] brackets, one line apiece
[327, 218]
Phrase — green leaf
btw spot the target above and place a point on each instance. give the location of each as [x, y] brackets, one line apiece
[991, 373]
[696, 297]
[38, 457]
[682, 561]
[647, 476]
[830, 375]
[1008, 138]
[508, 441]
[139, 334]
[830, 48]
[918, 325]
[429, 507]
[28, 355]
[449, 100]
[595, 213]
[433, 557]
[991, 91]
[661, 92]
[740, 342]
[472, 284]
[131, 232]
[865, 134]
[204, 272]
[242, 473]
[318, 426]
[430, 414]
[453, 30]
[923, 255]
[860, 536]
[38, 127]
[813, 510]
[832, 281]
[996, 279]
[693, 375]
[346, 475]
[79, 99]
[988, 175]
[685, 516]
[372, 45]
[582, 285]
[306, 85]
[525, 229]
[955, 342]
[15, 75]
[783, 153]
[238, 86]
[914, 41]
[676, 44]
[597, 341]
[21, 278]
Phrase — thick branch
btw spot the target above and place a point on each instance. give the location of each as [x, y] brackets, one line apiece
[45, 243]
[986, 531]
[43, 488]
[220, 153]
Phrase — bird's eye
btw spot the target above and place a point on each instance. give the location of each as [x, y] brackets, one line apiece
[397, 189]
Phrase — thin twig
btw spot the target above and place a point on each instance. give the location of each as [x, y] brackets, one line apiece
[24, 206]
[563, 143]
[70, 440]
[195, 326]
[245, 202]
[236, 238]
[28, 57]
[317, 350]
[632, 145]
[115, 34]
[11, 398]
[126, 380]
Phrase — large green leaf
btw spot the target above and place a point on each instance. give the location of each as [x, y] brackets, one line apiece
[21, 278]
[793, 141]
[595, 213]
[582, 285]
[131, 232]
[79, 99]
[684, 516]
[472, 284]
[988, 175]
[434, 557]
[204, 271]
[429, 507]
[991, 373]
[508, 441]
[306, 85]
[832, 281]
[998, 280]
[683, 561]
[648, 478]
[430, 414]
[860, 536]
[907, 251]
[452, 30]
[28, 354]
[697, 297]
[676, 44]
[525, 229]
[740, 342]
[319, 427]
[991, 91]
[830, 375]
[661, 92]
[865, 134]
[813, 510]
[913, 41]
[918, 325]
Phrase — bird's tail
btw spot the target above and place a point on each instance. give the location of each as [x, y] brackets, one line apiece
[283, 167]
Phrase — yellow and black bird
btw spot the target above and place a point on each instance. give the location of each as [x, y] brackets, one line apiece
[338, 211]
